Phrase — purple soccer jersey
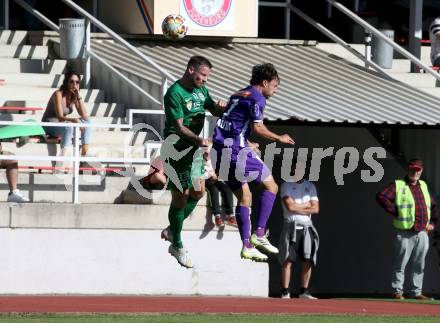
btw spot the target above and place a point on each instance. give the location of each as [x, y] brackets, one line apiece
[244, 107]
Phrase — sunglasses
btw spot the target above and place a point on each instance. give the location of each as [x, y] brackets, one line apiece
[73, 82]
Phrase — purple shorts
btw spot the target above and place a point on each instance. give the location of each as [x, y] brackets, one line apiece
[237, 166]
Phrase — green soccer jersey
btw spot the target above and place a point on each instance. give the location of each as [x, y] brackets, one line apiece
[181, 103]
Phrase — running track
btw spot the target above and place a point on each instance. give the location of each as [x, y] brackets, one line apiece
[190, 304]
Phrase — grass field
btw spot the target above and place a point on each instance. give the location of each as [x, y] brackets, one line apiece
[213, 318]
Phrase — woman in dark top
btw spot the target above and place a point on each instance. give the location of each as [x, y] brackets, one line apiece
[60, 105]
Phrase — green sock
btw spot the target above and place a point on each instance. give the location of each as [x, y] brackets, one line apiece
[176, 217]
[191, 204]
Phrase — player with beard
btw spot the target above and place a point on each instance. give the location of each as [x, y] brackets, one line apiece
[185, 104]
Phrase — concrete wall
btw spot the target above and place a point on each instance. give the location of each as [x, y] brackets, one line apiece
[356, 234]
[116, 249]
[56, 261]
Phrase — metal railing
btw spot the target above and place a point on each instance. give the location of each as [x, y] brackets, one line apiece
[368, 28]
[382, 37]
[325, 31]
[76, 158]
[166, 76]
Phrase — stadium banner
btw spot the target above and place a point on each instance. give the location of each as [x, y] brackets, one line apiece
[209, 14]
[226, 18]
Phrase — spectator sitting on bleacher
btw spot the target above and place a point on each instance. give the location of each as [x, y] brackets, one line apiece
[434, 36]
[11, 167]
[58, 108]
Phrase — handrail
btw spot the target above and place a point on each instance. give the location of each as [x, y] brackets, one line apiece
[76, 158]
[125, 78]
[93, 55]
[38, 15]
[119, 39]
[378, 34]
[336, 39]
[326, 32]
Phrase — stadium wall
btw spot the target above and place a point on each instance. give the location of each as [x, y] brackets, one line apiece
[135, 262]
[356, 235]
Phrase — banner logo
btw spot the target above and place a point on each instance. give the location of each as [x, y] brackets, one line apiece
[207, 13]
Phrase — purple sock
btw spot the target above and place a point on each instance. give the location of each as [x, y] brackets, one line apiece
[247, 243]
[243, 222]
[267, 199]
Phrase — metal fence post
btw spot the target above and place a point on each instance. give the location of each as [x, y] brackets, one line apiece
[367, 39]
[415, 31]
[5, 14]
[287, 20]
[87, 67]
[75, 177]
[164, 89]
[94, 13]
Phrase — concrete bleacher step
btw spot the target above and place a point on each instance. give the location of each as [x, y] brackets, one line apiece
[98, 216]
[340, 51]
[55, 188]
[24, 51]
[14, 65]
[401, 67]
[13, 37]
[102, 149]
[22, 117]
[116, 137]
[433, 91]
[33, 79]
[98, 109]
[415, 79]
[15, 92]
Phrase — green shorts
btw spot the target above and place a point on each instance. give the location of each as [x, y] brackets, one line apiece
[184, 173]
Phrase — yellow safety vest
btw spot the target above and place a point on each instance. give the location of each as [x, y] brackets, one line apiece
[406, 206]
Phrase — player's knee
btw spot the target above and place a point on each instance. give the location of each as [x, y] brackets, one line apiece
[271, 186]
[287, 265]
[246, 199]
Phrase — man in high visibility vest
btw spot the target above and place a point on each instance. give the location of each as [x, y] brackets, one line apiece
[415, 215]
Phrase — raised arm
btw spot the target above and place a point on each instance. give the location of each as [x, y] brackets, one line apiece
[261, 130]
[185, 133]
[217, 108]
[80, 106]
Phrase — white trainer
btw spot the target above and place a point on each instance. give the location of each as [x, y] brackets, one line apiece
[306, 296]
[181, 255]
[285, 295]
[166, 234]
[253, 254]
[263, 243]
[16, 197]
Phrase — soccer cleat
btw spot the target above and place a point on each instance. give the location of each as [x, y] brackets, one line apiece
[306, 296]
[181, 256]
[253, 254]
[263, 244]
[16, 197]
[166, 234]
[219, 221]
